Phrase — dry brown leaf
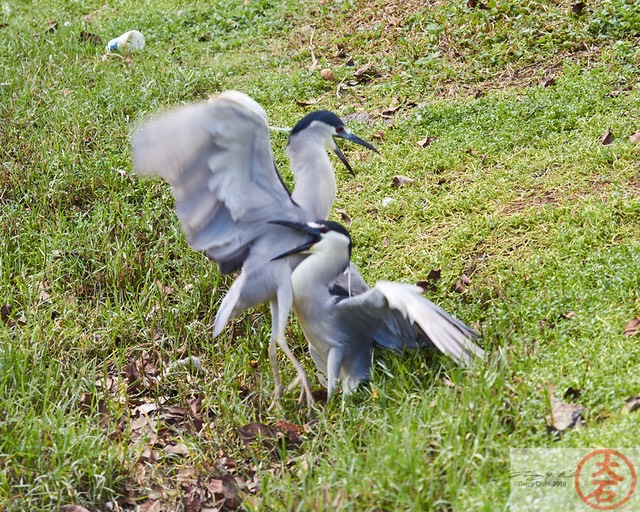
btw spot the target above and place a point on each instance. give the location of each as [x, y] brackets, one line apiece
[344, 216]
[426, 142]
[309, 102]
[572, 393]
[430, 282]
[176, 449]
[150, 506]
[458, 287]
[361, 71]
[547, 81]
[563, 416]
[472, 4]
[256, 431]
[379, 136]
[401, 181]
[192, 502]
[632, 404]
[5, 311]
[578, 8]
[465, 280]
[290, 430]
[633, 327]
[327, 74]
[90, 38]
[635, 137]
[607, 138]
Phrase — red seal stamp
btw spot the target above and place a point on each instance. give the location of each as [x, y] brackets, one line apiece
[605, 479]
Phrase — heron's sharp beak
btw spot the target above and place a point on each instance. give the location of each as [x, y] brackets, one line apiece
[352, 138]
[315, 233]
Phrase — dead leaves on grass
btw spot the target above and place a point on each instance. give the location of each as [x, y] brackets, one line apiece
[564, 416]
[632, 328]
[607, 138]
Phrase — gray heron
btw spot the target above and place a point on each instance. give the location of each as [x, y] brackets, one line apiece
[342, 330]
[217, 157]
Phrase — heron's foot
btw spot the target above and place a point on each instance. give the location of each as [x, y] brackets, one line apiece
[276, 401]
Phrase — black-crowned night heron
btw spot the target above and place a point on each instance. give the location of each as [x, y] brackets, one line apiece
[342, 330]
[217, 157]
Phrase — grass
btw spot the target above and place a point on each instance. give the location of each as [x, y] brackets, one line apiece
[100, 293]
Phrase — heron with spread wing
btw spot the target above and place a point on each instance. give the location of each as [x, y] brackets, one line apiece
[343, 330]
[217, 157]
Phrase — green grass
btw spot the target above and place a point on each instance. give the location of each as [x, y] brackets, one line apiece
[95, 275]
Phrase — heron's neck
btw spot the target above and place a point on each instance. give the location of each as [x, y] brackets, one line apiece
[315, 187]
[314, 275]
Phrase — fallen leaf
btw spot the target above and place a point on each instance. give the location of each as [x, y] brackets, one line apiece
[607, 138]
[5, 311]
[309, 102]
[256, 431]
[578, 8]
[572, 393]
[426, 142]
[88, 37]
[327, 74]
[401, 181]
[635, 137]
[465, 280]
[344, 216]
[632, 404]
[150, 506]
[633, 327]
[290, 430]
[563, 416]
[192, 502]
[430, 282]
[547, 81]
[386, 201]
[458, 287]
[379, 136]
[361, 71]
[570, 314]
[176, 449]
[52, 26]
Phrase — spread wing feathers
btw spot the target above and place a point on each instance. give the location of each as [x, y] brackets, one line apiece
[348, 284]
[397, 316]
[217, 158]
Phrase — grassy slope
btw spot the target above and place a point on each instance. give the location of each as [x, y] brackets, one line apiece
[518, 174]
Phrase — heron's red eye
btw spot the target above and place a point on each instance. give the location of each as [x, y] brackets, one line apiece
[339, 129]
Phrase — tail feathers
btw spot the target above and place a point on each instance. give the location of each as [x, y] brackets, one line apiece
[448, 334]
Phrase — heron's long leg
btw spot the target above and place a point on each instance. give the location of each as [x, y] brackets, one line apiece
[334, 362]
[273, 356]
[285, 300]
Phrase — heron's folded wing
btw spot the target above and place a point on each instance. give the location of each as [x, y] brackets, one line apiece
[218, 160]
[397, 316]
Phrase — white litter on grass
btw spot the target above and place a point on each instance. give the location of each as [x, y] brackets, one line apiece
[387, 201]
[132, 40]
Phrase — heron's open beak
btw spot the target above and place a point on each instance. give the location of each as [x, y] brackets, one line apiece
[352, 138]
[316, 236]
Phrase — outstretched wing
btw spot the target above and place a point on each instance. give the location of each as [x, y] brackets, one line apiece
[217, 157]
[397, 316]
